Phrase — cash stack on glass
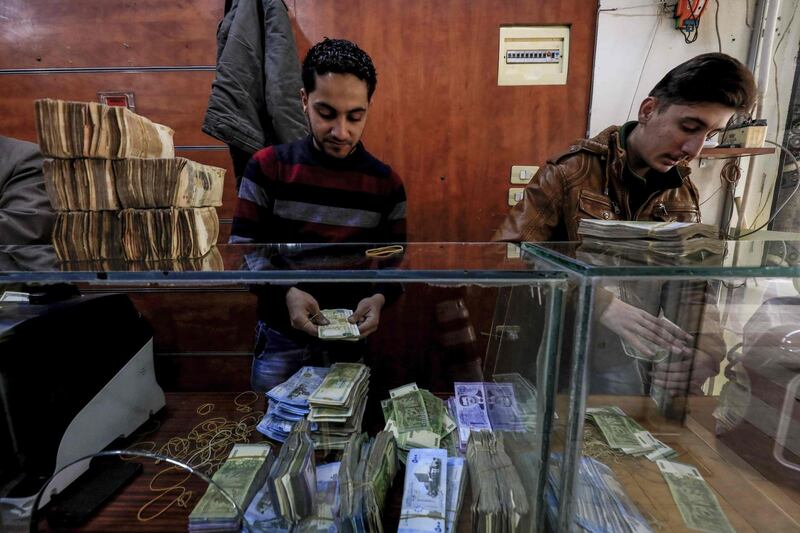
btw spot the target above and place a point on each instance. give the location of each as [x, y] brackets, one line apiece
[337, 406]
[118, 189]
[418, 419]
[486, 406]
[292, 479]
[241, 475]
[288, 402]
[367, 471]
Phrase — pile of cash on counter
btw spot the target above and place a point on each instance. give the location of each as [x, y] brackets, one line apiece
[333, 401]
[623, 433]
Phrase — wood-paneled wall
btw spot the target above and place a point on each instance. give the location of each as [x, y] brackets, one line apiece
[439, 117]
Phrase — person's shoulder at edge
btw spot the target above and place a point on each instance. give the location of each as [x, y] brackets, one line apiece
[18, 150]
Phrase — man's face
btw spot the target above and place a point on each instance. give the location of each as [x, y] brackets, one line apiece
[337, 112]
[676, 132]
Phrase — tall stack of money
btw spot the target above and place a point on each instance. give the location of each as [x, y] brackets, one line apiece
[418, 419]
[240, 476]
[424, 505]
[337, 406]
[366, 473]
[118, 188]
[292, 479]
[288, 402]
[485, 406]
[499, 499]
[623, 433]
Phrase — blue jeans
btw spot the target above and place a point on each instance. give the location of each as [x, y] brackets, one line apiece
[276, 357]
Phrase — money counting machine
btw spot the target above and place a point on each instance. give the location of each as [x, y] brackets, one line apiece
[74, 376]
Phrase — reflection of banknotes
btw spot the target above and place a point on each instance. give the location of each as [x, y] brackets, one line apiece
[696, 502]
[425, 492]
[502, 407]
[338, 327]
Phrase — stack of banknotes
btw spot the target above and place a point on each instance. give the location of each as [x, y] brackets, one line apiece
[499, 499]
[600, 503]
[337, 405]
[292, 479]
[367, 472]
[487, 406]
[433, 491]
[338, 328]
[288, 402]
[240, 476]
[418, 419]
[623, 433]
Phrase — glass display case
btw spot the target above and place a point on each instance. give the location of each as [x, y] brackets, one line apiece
[156, 360]
[677, 388]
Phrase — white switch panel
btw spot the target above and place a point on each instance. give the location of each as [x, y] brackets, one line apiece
[522, 174]
[533, 55]
[515, 195]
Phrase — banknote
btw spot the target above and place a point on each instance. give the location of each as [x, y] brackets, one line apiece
[502, 407]
[338, 327]
[297, 389]
[456, 481]
[696, 501]
[425, 492]
[409, 408]
[338, 383]
[470, 404]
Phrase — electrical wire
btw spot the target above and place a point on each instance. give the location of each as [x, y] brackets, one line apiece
[788, 198]
[716, 26]
[137, 453]
[661, 3]
[786, 31]
[644, 64]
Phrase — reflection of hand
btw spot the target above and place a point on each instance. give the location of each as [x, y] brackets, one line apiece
[690, 373]
[632, 325]
[368, 314]
[304, 311]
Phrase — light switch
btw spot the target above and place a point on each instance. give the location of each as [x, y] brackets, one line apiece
[522, 174]
[515, 195]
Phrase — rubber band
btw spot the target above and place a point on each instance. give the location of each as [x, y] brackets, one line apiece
[384, 251]
[163, 509]
[205, 409]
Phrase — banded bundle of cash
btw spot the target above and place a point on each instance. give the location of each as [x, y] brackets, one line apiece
[88, 129]
[326, 498]
[499, 499]
[153, 234]
[288, 402]
[485, 406]
[338, 328]
[367, 472]
[600, 502]
[81, 184]
[240, 476]
[418, 419]
[625, 434]
[88, 235]
[696, 501]
[424, 505]
[176, 182]
[292, 479]
[337, 406]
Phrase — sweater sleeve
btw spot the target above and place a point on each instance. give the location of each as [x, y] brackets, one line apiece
[254, 206]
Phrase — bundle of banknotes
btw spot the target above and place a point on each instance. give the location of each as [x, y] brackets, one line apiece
[600, 503]
[487, 406]
[499, 499]
[288, 402]
[425, 500]
[338, 328]
[240, 476]
[336, 407]
[367, 472]
[623, 433]
[418, 419]
[292, 479]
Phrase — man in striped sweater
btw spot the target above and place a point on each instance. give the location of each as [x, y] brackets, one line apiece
[325, 188]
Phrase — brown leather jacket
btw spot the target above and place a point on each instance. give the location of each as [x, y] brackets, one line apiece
[586, 182]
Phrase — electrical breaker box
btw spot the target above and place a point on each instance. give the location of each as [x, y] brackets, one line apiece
[533, 55]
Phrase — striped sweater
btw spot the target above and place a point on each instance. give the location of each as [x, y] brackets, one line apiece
[296, 193]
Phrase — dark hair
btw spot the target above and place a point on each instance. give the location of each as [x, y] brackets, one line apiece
[708, 78]
[341, 57]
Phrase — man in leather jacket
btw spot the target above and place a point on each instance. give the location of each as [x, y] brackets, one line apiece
[638, 171]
